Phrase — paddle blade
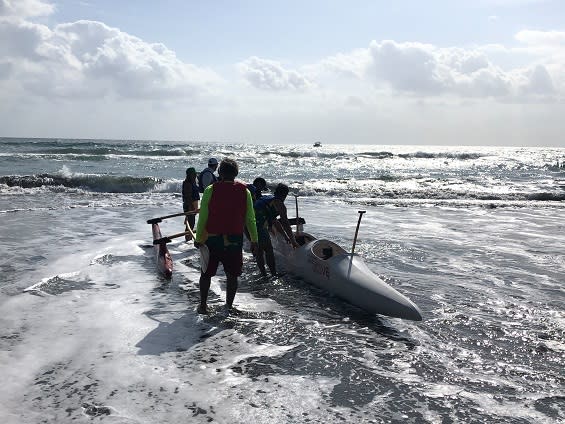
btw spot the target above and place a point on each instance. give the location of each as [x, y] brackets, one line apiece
[204, 257]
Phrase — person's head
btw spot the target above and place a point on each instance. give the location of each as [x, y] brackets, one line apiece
[228, 170]
[281, 191]
[213, 163]
[260, 184]
[190, 173]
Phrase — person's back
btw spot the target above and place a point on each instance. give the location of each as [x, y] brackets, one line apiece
[190, 198]
[225, 209]
[190, 192]
[267, 208]
[265, 211]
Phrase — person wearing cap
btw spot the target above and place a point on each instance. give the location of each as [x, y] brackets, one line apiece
[227, 207]
[190, 198]
[207, 176]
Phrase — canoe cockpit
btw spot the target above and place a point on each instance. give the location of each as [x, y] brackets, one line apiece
[325, 249]
[303, 238]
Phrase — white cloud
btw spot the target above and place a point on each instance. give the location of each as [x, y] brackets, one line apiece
[91, 59]
[271, 75]
[353, 64]
[408, 67]
[25, 8]
[542, 38]
[424, 70]
[539, 82]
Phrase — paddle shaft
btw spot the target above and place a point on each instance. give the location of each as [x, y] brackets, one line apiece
[298, 223]
[357, 231]
[189, 231]
[159, 219]
[169, 238]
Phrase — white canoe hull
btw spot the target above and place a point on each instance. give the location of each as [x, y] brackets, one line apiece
[343, 275]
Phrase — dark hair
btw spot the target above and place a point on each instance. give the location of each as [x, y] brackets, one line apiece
[260, 183]
[228, 168]
[281, 190]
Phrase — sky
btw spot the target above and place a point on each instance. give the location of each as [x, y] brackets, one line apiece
[435, 72]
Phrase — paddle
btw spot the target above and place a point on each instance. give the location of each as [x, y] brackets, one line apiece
[204, 252]
[354, 242]
[297, 221]
[357, 231]
[159, 219]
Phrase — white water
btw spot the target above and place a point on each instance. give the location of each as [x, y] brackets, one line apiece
[465, 233]
[100, 333]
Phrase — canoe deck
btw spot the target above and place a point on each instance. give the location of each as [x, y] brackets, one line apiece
[327, 265]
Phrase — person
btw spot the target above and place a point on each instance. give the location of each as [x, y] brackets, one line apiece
[225, 209]
[256, 189]
[207, 177]
[267, 209]
[190, 198]
[259, 184]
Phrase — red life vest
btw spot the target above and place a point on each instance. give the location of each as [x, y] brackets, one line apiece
[227, 208]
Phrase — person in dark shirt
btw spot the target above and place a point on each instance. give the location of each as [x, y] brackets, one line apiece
[190, 198]
[267, 209]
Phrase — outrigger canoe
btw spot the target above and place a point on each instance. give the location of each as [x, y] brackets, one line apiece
[327, 265]
[163, 258]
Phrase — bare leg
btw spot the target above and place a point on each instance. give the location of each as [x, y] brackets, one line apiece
[260, 258]
[204, 287]
[231, 289]
[270, 256]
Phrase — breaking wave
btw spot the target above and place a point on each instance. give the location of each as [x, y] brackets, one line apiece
[98, 150]
[94, 183]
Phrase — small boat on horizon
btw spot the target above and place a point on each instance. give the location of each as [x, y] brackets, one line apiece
[317, 144]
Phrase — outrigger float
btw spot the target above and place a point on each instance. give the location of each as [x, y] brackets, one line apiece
[163, 258]
[327, 265]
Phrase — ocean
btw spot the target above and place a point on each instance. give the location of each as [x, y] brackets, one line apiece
[89, 331]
